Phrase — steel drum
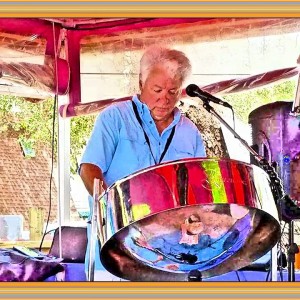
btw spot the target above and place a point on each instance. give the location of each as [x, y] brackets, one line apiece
[209, 216]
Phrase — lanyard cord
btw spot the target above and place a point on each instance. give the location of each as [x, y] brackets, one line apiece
[147, 138]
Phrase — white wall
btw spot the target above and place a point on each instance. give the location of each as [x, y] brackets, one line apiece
[110, 75]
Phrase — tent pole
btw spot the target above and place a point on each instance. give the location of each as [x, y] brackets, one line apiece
[63, 173]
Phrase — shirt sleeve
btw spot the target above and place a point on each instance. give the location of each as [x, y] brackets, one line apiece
[102, 143]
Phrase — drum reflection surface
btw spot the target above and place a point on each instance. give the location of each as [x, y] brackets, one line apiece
[210, 215]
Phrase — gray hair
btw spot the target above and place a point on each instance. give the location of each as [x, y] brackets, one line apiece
[157, 55]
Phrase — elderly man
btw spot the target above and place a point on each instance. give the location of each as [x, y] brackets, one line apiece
[132, 135]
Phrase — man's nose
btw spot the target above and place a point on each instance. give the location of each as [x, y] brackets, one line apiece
[166, 96]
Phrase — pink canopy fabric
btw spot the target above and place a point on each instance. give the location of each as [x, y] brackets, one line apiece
[222, 88]
[52, 48]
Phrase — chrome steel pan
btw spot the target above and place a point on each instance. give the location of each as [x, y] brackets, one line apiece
[208, 215]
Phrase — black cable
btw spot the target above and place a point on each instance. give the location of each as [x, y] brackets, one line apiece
[238, 276]
[233, 118]
[51, 174]
[55, 104]
[268, 274]
[281, 275]
[280, 260]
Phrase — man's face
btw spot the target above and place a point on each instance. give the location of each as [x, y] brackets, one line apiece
[194, 225]
[161, 91]
[194, 228]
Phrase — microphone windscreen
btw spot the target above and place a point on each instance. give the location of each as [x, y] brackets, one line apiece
[191, 90]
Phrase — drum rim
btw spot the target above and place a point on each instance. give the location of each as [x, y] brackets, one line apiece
[174, 162]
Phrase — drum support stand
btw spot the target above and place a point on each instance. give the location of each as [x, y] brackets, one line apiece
[292, 250]
[93, 235]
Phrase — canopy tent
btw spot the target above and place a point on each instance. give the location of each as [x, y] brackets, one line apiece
[45, 55]
[80, 58]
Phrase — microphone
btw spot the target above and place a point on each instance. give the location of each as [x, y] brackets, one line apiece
[193, 90]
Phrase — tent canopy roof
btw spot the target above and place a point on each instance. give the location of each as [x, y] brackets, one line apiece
[33, 50]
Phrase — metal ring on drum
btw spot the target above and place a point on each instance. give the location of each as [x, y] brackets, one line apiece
[209, 215]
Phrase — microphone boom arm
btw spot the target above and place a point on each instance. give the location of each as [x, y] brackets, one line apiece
[211, 110]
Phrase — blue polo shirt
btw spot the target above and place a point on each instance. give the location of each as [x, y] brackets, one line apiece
[118, 147]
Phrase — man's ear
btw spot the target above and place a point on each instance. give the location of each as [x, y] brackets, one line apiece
[140, 83]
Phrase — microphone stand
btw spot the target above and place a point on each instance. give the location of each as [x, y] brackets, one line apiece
[287, 209]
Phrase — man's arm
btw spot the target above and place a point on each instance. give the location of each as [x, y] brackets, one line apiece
[88, 172]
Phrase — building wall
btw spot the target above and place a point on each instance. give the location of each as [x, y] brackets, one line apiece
[113, 73]
[25, 182]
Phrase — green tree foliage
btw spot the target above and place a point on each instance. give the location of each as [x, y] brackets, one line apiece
[81, 128]
[33, 122]
[30, 122]
[245, 102]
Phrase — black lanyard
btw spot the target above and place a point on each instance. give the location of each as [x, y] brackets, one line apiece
[147, 138]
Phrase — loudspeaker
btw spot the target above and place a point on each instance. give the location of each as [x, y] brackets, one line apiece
[74, 244]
